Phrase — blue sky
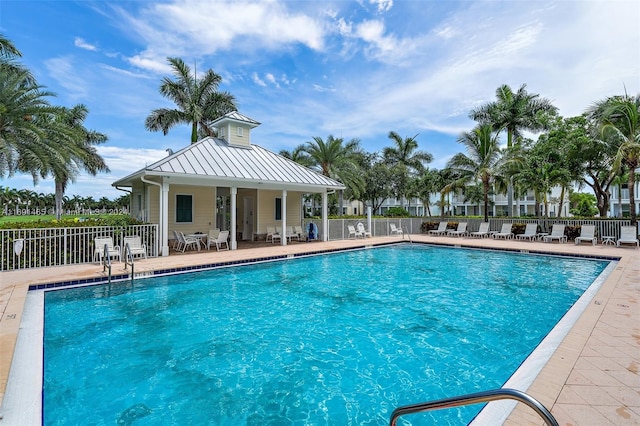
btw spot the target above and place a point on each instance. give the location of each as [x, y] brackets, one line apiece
[352, 69]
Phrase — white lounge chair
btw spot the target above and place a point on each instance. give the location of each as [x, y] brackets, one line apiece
[299, 231]
[222, 238]
[587, 233]
[482, 232]
[442, 229]
[360, 228]
[505, 232]
[136, 247]
[460, 231]
[291, 234]
[628, 235]
[353, 232]
[272, 234]
[98, 252]
[557, 233]
[530, 232]
[395, 230]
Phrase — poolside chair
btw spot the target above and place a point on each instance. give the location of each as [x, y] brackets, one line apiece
[557, 233]
[364, 232]
[482, 232]
[222, 238]
[460, 231]
[353, 232]
[628, 235]
[98, 252]
[211, 237]
[136, 247]
[530, 232]
[442, 229]
[272, 234]
[290, 234]
[505, 232]
[587, 233]
[186, 242]
[176, 241]
[394, 230]
[299, 231]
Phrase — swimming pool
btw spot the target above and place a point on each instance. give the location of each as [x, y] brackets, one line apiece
[335, 339]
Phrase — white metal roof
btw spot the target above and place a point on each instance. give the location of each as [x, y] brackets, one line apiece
[214, 161]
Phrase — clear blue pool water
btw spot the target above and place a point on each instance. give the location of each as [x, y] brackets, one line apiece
[338, 339]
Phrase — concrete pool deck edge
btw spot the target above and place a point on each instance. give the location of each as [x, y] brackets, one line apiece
[618, 293]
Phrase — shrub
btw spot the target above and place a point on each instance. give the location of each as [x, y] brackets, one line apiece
[396, 212]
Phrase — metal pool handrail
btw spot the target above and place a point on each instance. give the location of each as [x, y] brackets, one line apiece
[106, 260]
[128, 259]
[475, 398]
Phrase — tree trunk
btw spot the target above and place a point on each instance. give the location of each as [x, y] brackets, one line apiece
[59, 194]
[485, 187]
[632, 195]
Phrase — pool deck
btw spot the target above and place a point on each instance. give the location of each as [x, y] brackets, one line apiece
[593, 378]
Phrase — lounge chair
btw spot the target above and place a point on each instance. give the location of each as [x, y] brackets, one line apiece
[272, 234]
[442, 229]
[530, 232]
[505, 232]
[353, 232]
[557, 233]
[186, 242]
[587, 233]
[136, 247]
[98, 252]
[291, 234]
[360, 228]
[222, 238]
[628, 235]
[460, 231]
[299, 231]
[394, 230]
[482, 232]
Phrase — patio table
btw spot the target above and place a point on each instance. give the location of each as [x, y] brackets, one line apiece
[199, 236]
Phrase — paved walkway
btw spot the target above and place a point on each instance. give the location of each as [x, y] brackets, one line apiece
[592, 378]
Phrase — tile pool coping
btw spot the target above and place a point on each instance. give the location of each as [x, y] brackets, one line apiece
[615, 298]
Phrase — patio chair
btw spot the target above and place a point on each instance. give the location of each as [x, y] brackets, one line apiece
[460, 231]
[136, 247]
[98, 252]
[505, 232]
[272, 234]
[222, 238]
[628, 235]
[364, 232]
[353, 232]
[211, 237]
[530, 232]
[557, 233]
[299, 231]
[482, 232]
[587, 233]
[442, 229]
[291, 234]
[395, 230]
[186, 242]
[176, 241]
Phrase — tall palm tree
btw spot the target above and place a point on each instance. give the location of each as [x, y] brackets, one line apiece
[8, 53]
[620, 116]
[515, 112]
[197, 99]
[337, 159]
[405, 154]
[481, 161]
[299, 155]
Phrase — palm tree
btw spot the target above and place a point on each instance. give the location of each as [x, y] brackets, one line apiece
[481, 161]
[8, 52]
[337, 160]
[428, 185]
[514, 113]
[299, 155]
[405, 154]
[198, 101]
[620, 116]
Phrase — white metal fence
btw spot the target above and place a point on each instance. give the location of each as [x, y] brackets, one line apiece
[40, 247]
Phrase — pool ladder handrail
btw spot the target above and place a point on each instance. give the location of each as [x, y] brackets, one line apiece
[128, 259]
[405, 231]
[106, 260]
[476, 398]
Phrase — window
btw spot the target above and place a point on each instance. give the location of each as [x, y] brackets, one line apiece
[184, 208]
[221, 133]
[240, 131]
[278, 208]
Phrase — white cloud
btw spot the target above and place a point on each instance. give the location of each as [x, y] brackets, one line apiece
[258, 80]
[382, 5]
[82, 44]
[63, 70]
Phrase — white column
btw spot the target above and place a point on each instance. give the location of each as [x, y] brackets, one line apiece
[325, 216]
[234, 196]
[164, 219]
[284, 218]
[369, 220]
